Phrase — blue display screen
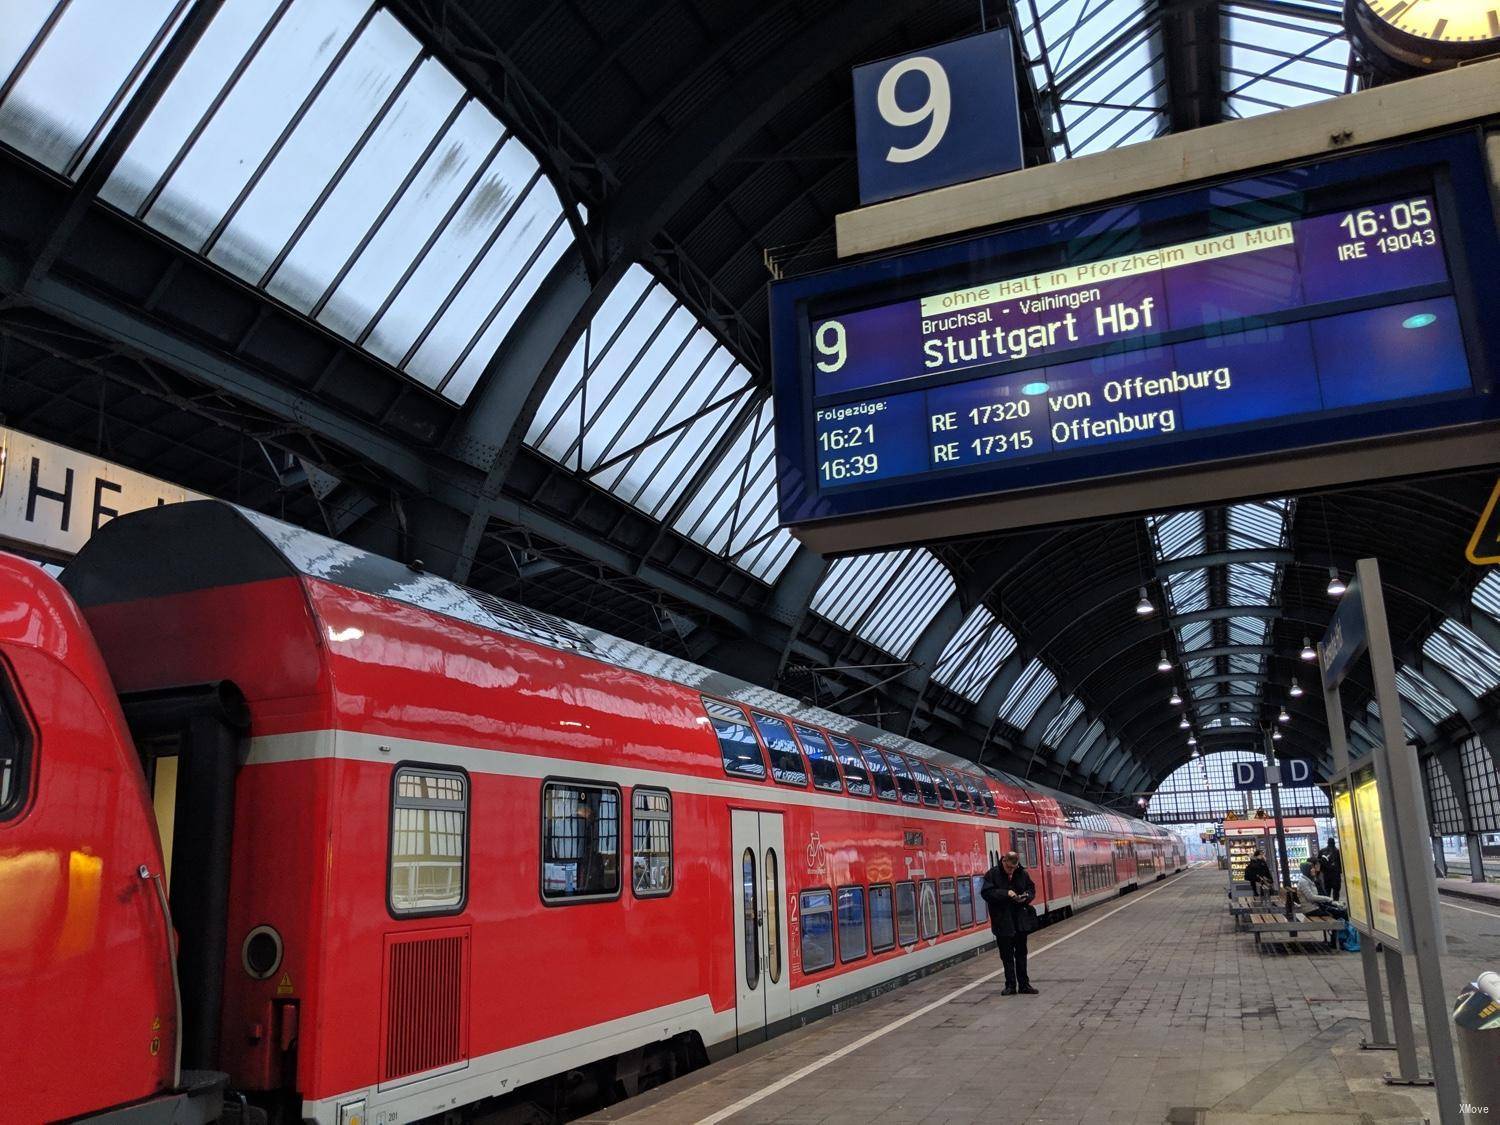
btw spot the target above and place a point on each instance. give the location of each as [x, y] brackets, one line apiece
[1279, 302]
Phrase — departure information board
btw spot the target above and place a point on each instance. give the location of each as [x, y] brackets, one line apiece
[1314, 305]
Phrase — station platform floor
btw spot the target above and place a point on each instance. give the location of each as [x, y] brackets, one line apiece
[1153, 1008]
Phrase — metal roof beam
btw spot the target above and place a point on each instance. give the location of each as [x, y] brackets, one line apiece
[1221, 558]
[1191, 43]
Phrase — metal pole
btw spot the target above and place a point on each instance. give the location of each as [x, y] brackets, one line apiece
[1286, 872]
[1416, 886]
[1406, 1036]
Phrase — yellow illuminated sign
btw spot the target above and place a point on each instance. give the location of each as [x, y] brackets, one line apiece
[1354, 880]
[1376, 858]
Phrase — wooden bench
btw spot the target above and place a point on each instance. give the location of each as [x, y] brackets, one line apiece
[1269, 923]
[1241, 909]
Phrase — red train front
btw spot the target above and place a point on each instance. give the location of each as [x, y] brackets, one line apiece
[425, 848]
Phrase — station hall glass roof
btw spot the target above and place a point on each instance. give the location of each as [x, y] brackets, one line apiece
[381, 267]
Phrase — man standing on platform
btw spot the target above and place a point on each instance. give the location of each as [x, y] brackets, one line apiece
[1008, 890]
[1333, 868]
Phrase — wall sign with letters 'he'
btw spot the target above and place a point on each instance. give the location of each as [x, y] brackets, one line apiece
[53, 498]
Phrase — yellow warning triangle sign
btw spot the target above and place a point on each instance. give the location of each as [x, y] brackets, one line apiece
[284, 985]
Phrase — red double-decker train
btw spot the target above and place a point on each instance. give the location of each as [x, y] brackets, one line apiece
[290, 826]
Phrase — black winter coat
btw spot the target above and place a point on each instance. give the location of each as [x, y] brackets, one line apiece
[1006, 912]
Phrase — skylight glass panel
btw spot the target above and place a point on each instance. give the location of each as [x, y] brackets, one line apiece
[1087, 741]
[312, 150]
[1239, 662]
[1027, 694]
[1197, 669]
[1177, 534]
[1467, 658]
[974, 654]
[1058, 728]
[733, 513]
[1187, 591]
[1283, 58]
[1221, 721]
[887, 599]
[1487, 594]
[643, 399]
[1261, 524]
[1250, 583]
[1248, 630]
[1372, 715]
[1422, 695]
[1105, 70]
[1195, 634]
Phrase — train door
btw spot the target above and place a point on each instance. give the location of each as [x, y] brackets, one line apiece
[760, 925]
[992, 847]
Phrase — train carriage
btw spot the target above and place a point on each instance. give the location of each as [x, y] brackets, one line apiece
[425, 847]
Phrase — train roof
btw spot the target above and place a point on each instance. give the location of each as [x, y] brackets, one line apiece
[205, 544]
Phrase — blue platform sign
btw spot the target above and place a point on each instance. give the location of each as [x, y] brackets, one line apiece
[1249, 775]
[940, 116]
[1345, 640]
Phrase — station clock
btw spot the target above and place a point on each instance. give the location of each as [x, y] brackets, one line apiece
[1400, 38]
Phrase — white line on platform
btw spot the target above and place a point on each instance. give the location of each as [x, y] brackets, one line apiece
[1470, 909]
[797, 1075]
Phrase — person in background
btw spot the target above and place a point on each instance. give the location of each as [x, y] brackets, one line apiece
[1258, 874]
[1332, 867]
[1008, 890]
[1315, 903]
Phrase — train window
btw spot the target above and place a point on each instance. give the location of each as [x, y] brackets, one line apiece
[429, 841]
[856, 777]
[944, 788]
[15, 748]
[825, 771]
[651, 843]
[852, 942]
[787, 765]
[924, 781]
[736, 740]
[773, 917]
[817, 930]
[882, 918]
[1015, 843]
[927, 908]
[965, 902]
[906, 913]
[989, 800]
[948, 905]
[961, 792]
[747, 919]
[880, 771]
[976, 790]
[1033, 856]
[580, 841]
[904, 784]
[981, 908]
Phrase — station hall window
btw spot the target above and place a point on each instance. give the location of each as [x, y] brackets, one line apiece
[906, 913]
[817, 930]
[737, 743]
[580, 841]
[856, 778]
[651, 842]
[429, 840]
[852, 945]
[825, 771]
[880, 772]
[786, 760]
[15, 745]
[882, 918]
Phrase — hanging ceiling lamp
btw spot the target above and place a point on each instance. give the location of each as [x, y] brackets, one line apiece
[1184, 724]
[1308, 652]
[1193, 741]
[1176, 700]
[1283, 717]
[1144, 608]
[1163, 665]
[1296, 692]
[1275, 736]
[1336, 587]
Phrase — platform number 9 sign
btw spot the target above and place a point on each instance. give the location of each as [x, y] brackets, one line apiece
[938, 116]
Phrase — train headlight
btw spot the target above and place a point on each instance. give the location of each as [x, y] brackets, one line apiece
[261, 953]
[352, 1113]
